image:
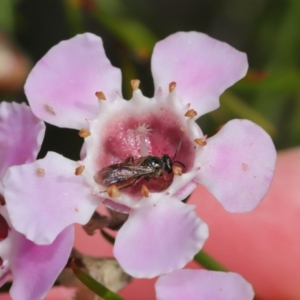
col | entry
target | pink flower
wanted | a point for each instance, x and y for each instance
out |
(33, 268)
(162, 234)
(203, 285)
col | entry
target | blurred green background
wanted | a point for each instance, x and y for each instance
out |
(267, 30)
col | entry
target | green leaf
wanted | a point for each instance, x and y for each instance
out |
(133, 34)
(208, 262)
(242, 110)
(73, 13)
(275, 81)
(7, 22)
(286, 51)
(94, 285)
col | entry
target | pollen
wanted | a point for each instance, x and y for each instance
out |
(172, 86)
(84, 133)
(113, 192)
(79, 170)
(201, 141)
(177, 170)
(145, 191)
(190, 113)
(135, 83)
(100, 96)
(40, 172)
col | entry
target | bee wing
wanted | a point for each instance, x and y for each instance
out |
(120, 173)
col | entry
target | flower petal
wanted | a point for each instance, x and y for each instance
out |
(35, 268)
(203, 285)
(61, 87)
(21, 135)
(201, 66)
(160, 235)
(44, 197)
(238, 165)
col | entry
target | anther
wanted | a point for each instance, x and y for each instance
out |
(40, 172)
(172, 86)
(201, 141)
(84, 133)
(79, 170)
(113, 192)
(100, 96)
(145, 191)
(50, 109)
(191, 113)
(135, 83)
(177, 170)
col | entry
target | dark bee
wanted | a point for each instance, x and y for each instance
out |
(131, 171)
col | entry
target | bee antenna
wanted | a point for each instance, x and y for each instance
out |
(178, 147)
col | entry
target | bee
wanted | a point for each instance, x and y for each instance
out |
(131, 171)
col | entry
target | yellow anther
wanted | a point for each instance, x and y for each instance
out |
(50, 109)
(79, 170)
(135, 83)
(113, 192)
(191, 113)
(200, 141)
(100, 96)
(84, 133)
(40, 172)
(172, 86)
(145, 191)
(177, 170)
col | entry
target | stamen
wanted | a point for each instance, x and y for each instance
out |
(201, 141)
(182, 128)
(79, 170)
(190, 113)
(100, 96)
(84, 133)
(113, 192)
(172, 86)
(177, 170)
(40, 172)
(50, 109)
(145, 191)
(135, 83)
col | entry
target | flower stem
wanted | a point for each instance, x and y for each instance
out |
(97, 287)
(209, 263)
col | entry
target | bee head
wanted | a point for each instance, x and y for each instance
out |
(167, 163)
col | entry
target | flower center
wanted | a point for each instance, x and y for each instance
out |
(136, 155)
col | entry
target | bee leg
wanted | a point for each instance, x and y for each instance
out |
(162, 185)
(147, 178)
(129, 183)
